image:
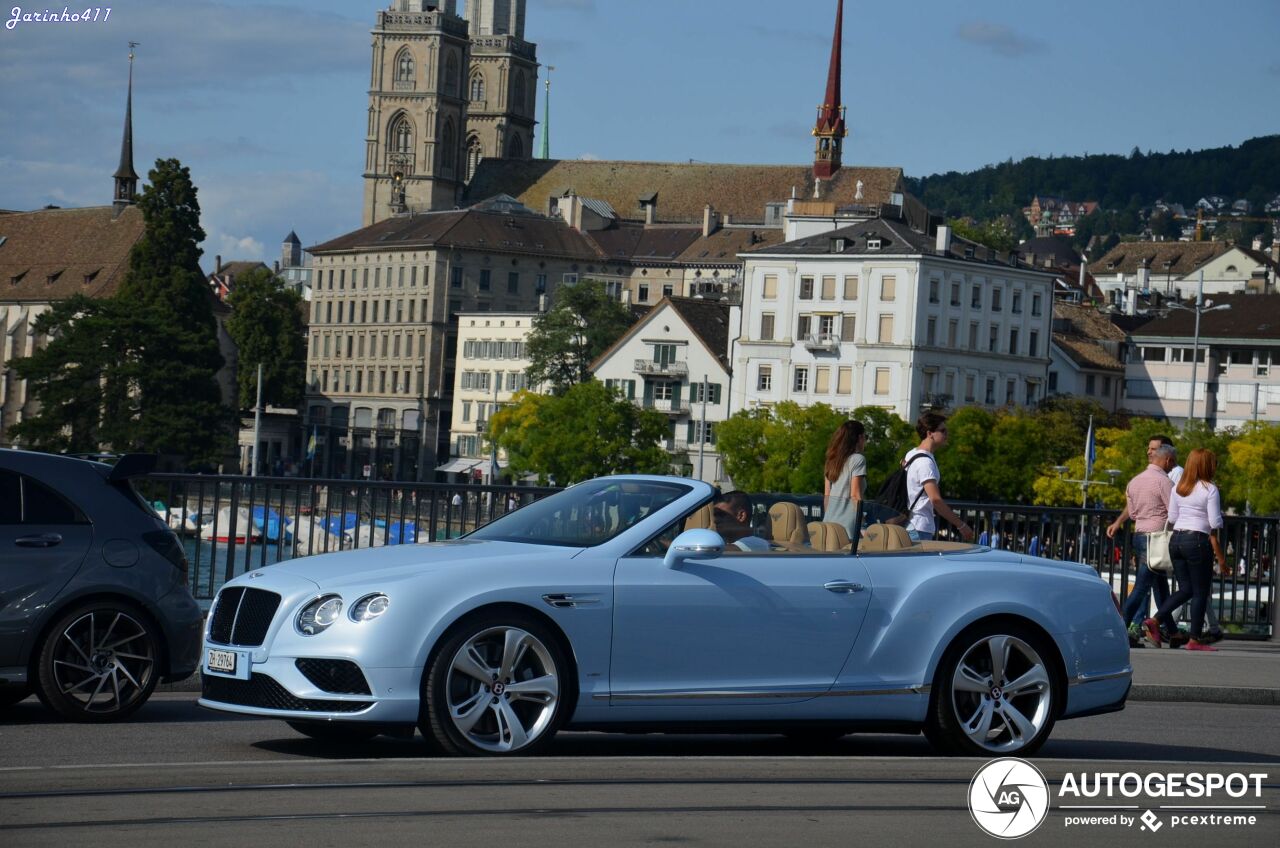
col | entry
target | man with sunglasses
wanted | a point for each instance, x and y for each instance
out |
(923, 494)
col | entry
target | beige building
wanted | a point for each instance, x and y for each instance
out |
(444, 92)
(1086, 356)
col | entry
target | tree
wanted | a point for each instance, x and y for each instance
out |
(963, 461)
(888, 440)
(586, 432)
(566, 339)
(1254, 460)
(778, 449)
(266, 325)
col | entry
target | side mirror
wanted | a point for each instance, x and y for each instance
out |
(694, 545)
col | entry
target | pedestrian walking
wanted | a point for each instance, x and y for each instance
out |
(1147, 503)
(924, 494)
(1195, 513)
(845, 475)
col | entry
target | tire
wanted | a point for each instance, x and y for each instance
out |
(346, 732)
(99, 662)
(977, 712)
(498, 685)
(10, 695)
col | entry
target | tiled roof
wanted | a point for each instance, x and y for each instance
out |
(52, 254)
(1261, 257)
(723, 246)
(237, 268)
(1081, 338)
(1251, 316)
(683, 190)
(642, 245)
(1172, 258)
(1057, 249)
(469, 229)
(709, 320)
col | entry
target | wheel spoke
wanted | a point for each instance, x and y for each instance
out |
(67, 690)
(101, 682)
(466, 714)
(86, 669)
(66, 634)
(1020, 727)
(107, 635)
(539, 689)
(121, 668)
(143, 657)
(470, 663)
(123, 641)
(999, 648)
(978, 727)
(507, 718)
(967, 679)
(513, 648)
(1035, 679)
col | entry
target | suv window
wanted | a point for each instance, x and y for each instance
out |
(26, 501)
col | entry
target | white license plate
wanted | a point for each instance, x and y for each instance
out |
(222, 662)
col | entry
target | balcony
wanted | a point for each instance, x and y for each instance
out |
(936, 400)
(666, 407)
(822, 341)
(649, 368)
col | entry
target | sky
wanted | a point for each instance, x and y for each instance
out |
(265, 102)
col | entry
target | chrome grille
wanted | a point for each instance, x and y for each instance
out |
(242, 616)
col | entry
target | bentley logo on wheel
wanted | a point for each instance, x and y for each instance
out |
(1009, 798)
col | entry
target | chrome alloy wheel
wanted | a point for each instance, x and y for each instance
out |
(502, 689)
(1001, 693)
(103, 662)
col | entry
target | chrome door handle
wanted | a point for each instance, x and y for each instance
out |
(44, 540)
(843, 587)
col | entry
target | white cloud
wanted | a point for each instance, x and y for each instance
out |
(233, 248)
(589, 157)
(999, 39)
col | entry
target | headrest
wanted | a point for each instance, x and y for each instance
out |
(787, 523)
(884, 537)
(702, 519)
(828, 536)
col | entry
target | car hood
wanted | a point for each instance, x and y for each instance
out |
(387, 565)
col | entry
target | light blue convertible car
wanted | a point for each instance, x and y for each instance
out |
(613, 605)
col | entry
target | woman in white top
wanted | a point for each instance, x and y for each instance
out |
(1195, 513)
(845, 474)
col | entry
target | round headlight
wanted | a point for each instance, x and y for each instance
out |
(316, 616)
(370, 607)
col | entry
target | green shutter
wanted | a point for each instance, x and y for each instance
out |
(715, 392)
(648, 393)
(675, 396)
(631, 389)
(689, 439)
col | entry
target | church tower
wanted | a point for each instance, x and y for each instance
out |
(502, 83)
(830, 129)
(126, 179)
(417, 109)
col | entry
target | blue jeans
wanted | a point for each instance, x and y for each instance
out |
(919, 535)
(1136, 605)
(1193, 564)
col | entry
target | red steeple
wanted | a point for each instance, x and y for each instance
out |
(830, 129)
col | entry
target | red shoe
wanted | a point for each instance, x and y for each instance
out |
(1152, 630)
(1197, 645)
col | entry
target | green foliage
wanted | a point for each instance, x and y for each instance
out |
(1253, 469)
(266, 325)
(778, 449)
(566, 339)
(586, 432)
(1000, 234)
(888, 440)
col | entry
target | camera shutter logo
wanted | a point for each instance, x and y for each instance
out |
(1009, 798)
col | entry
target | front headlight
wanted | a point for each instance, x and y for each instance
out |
(370, 607)
(317, 616)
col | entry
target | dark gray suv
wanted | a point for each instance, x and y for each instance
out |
(94, 604)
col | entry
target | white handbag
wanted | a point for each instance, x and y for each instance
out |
(1158, 558)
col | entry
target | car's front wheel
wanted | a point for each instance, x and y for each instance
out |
(346, 732)
(995, 693)
(496, 687)
(99, 662)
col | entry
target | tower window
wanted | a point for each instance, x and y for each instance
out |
(477, 88)
(451, 74)
(404, 66)
(515, 148)
(402, 136)
(474, 154)
(448, 153)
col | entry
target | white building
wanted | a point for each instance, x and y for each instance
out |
(877, 313)
(1173, 268)
(492, 362)
(1086, 356)
(675, 360)
(1238, 370)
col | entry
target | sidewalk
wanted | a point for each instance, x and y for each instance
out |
(1239, 673)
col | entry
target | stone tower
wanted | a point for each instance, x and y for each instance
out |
(443, 94)
(502, 83)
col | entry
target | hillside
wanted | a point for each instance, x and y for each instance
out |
(1250, 170)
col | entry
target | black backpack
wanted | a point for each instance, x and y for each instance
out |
(893, 492)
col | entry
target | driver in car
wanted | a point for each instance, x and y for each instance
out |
(733, 522)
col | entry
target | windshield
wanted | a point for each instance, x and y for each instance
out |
(584, 515)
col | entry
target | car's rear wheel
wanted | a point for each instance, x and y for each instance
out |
(99, 662)
(496, 687)
(335, 731)
(10, 695)
(996, 692)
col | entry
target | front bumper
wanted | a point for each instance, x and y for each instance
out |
(277, 689)
(182, 623)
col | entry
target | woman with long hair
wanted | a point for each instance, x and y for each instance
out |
(845, 474)
(1195, 513)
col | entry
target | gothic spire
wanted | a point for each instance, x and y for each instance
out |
(544, 150)
(830, 129)
(125, 177)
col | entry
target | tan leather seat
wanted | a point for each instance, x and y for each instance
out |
(702, 519)
(828, 536)
(787, 524)
(879, 538)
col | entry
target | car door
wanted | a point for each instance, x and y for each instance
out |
(43, 541)
(744, 628)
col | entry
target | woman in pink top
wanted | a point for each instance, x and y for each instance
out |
(1195, 513)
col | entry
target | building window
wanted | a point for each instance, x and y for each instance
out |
(404, 66)
(806, 288)
(828, 288)
(1106, 386)
(826, 325)
(1016, 305)
(993, 339)
(851, 287)
(882, 381)
(931, 332)
(1090, 384)
(1153, 354)
(770, 287)
(1033, 344)
(663, 390)
(886, 329)
(766, 327)
(973, 335)
(1031, 393)
(485, 276)
(1009, 388)
(844, 381)
(402, 135)
(801, 383)
(889, 288)
(848, 326)
(642, 293)
(953, 333)
(513, 282)
(540, 284)
(1035, 305)
(477, 88)
(1013, 341)
(455, 278)
(664, 354)
(364, 282)
(448, 136)
(822, 380)
(802, 326)
(997, 299)
(764, 379)
(933, 292)
(975, 297)
(955, 294)
(668, 290)
(991, 391)
(968, 388)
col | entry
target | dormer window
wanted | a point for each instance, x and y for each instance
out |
(91, 276)
(1231, 269)
(873, 243)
